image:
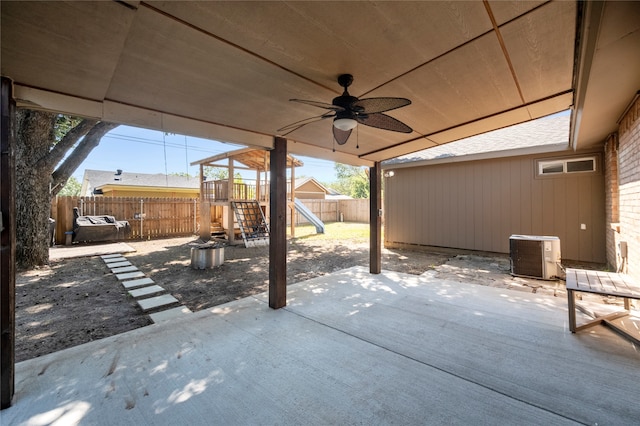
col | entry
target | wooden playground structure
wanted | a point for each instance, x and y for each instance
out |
(237, 209)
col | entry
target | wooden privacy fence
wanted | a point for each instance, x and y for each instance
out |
(351, 210)
(176, 217)
(147, 217)
(354, 210)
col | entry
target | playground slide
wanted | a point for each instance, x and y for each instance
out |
(308, 214)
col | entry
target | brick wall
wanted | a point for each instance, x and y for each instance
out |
(612, 211)
(628, 189)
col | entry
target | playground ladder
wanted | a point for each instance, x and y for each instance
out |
(253, 225)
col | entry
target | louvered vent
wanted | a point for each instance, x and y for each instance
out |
(526, 257)
(533, 256)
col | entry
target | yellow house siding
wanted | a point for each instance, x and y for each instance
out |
(123, 191)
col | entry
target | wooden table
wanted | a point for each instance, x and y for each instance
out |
(605, 283)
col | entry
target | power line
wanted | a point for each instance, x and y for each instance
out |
(308, 161)
(148, 141)
(166, 171)
(155, 142)
(186, 154)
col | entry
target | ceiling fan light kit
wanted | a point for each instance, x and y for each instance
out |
(347, 111)
(345, 124)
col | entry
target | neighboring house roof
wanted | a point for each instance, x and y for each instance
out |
(335, 195)
(545, 134)
(303, 181)
(96, 179)
(330, 193)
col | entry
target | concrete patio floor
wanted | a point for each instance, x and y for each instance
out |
(350, 348)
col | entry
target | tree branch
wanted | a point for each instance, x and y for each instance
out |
(60, 149)
(62, 173)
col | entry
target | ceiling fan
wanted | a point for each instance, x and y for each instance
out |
(347, 111)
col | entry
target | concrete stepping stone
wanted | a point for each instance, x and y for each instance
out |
(119, 264)
(110, 256)
(124, 269)
(169, 314)
(129, 275)
(146, 291)
(114, 260)
(157, 302)
(137, 283)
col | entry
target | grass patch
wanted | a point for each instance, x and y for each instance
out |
(357, 232)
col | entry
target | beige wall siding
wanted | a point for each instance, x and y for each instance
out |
(310, 190)
(477, 205)
(302, 195)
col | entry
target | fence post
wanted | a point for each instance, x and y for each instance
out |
(141, 218)
(195, 222)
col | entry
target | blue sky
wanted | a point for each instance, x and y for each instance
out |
(140, 150)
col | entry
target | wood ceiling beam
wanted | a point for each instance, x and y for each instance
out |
(505, 52)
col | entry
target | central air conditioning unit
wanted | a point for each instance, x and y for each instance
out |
(535, 256)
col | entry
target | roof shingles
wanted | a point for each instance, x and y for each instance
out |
(551, 132)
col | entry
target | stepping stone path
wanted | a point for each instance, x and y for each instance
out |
(123, 269)
(144, 290)
(118, 264)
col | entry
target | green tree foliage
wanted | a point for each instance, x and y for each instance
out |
(63, 125)
(220, 173)
(71, 188)
(352, 181)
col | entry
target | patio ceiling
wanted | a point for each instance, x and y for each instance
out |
(226, 70)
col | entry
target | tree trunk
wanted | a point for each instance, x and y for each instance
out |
(35, 134)
(38, 153)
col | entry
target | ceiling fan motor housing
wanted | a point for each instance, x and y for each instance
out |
(345, 80)
(347, 111)
(345, 102)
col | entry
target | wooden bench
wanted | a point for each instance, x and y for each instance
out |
(605, 283)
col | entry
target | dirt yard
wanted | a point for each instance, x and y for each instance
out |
(78, 300)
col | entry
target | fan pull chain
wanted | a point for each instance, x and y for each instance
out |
(357, 138)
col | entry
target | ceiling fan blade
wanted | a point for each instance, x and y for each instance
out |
(295, 126)
(383, 121)
(319, 104)
(375, 105)
(341, 136)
